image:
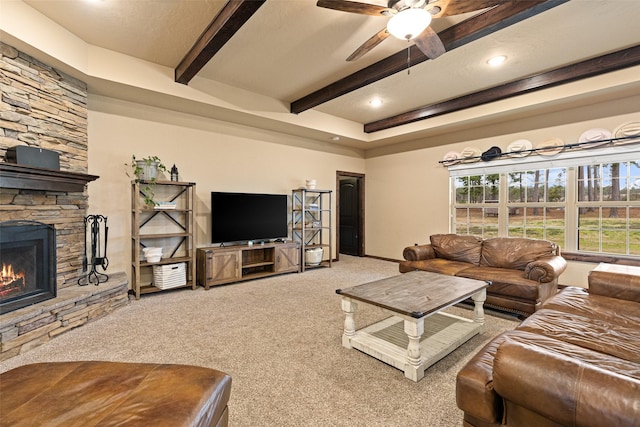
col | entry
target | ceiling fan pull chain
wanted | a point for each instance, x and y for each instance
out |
(408, 60)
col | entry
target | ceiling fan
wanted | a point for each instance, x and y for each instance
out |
(409, 20)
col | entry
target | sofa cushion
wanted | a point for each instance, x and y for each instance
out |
(514, 252)
(578, 300)
(593, 333)
(504, 282)
(615, 284)
(457, 247)
(584, 355)
(435, 265)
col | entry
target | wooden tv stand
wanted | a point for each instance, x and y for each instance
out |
(227, 264)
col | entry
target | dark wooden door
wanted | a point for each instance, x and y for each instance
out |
(350, 216)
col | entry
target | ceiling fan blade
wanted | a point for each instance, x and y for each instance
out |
(442, 8)
(374, 41)
(354, 7)
(430, 44)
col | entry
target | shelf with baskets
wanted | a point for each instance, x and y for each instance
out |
(311, 226)
(169, 226)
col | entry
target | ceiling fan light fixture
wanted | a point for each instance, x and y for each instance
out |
(408, 23)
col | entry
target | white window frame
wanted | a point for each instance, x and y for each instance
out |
(569, 160)
(539, 205)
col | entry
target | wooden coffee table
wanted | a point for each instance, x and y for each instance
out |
(418, 334)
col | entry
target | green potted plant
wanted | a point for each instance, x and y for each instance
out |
(146, 171)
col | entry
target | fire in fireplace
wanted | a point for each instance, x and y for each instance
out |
(12, 282)
(28, 260)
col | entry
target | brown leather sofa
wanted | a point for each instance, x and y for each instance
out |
(95, 393)
(524, 272)
(575, 362)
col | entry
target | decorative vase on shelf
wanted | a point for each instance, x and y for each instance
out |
(146, 168)
(149, 169)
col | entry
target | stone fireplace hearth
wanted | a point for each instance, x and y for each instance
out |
(58, 200)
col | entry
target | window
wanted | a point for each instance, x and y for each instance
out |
(476, 206)
(534, 201)
(587, 201)
(537, 204)
(609, 208)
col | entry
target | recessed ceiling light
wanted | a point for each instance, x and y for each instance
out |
(335, 138)
(375, 102)
(497, 60)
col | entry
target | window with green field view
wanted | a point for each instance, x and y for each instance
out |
(591, 208)
(608, 208)
(537, 204)
(476, 205)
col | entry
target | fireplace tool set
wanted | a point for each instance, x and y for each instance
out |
(96, 225)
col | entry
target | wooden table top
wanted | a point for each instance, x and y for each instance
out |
(417, 293)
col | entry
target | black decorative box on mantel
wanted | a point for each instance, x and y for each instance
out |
(33, 156)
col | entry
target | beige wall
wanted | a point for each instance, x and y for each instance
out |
(216, 156)
(408, 193)
(407, 199)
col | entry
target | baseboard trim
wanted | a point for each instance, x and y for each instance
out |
(382, 258)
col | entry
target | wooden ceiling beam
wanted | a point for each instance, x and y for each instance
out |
(485, 23)
(591, 67)
(233, 15)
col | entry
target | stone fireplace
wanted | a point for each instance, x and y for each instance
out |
(41, 237)
(42, 107)
(28, 261)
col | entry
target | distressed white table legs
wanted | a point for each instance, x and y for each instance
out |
(478, 310)
(349, 307)
(414, 329)
(418, 333)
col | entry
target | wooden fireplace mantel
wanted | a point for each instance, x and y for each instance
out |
(32, 178)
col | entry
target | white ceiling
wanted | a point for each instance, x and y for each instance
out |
(291, 48)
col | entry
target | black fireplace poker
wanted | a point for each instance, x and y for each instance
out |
(97, 248)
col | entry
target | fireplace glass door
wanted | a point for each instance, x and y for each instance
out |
(28, 261)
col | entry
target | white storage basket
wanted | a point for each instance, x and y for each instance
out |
(170, 275)
(314, 256)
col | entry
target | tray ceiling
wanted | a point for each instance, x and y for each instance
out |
(290, 48)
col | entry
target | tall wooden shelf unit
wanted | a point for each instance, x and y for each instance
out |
(311, 224)
(172, 229)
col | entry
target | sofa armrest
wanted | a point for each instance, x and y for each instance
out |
(545, 270)
(418, 252)
(564, 389)
(474, 385)
(615, 285)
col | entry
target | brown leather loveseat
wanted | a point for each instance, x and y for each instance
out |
(524, 272)
(575, 362)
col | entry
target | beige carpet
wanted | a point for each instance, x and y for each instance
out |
(279, 339)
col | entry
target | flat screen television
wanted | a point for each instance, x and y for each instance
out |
(238, 217)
